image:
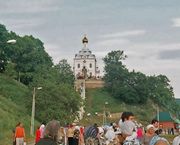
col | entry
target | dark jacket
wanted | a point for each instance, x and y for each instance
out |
(46, 141)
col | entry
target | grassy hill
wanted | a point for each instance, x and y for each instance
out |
(95, 102)
(13, 96)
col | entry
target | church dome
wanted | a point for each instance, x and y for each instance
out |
(85, 51)
(85, 40)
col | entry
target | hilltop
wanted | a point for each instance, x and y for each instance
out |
(95, 105)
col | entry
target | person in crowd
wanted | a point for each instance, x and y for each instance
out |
(70, 134)
(81, 136)
(150, 133)
(38, 134)
(76, 135)
(176, 140)
(110, 135)
(13, 137)
(42, 128)
(51, 134)
(62, 135)
(157, 140)
(20, 134)
(128, 127)
(155, 123)
(140, 133)
(91, 135)
(65, 134)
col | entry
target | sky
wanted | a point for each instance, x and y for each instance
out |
(148, 31)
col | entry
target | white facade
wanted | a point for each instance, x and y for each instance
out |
(85, 62)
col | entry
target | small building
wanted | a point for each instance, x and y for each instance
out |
(85, 64)
(166, 122)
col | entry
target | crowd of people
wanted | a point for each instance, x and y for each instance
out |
(126, 132)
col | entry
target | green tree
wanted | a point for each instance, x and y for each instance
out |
(65, 72)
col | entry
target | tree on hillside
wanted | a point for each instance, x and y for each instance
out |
(54, 101)
(115, 71)
(161, 91)
(135, 87)
(28, 62)
(4, 35)
(65, 72)
(122, 84)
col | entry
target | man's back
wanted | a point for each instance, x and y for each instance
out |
(91, 131)
(46, 141)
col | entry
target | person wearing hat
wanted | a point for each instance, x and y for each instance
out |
(150, 133)
(157, 140)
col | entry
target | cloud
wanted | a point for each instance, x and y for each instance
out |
(124, 34)
(112, 43)
(176, 22)
(23, 23)
(32, 6)
(170, 54)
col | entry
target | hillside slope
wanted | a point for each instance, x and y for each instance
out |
(13, 96)
(95, 102)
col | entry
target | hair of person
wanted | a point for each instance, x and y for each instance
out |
(18, 124)
(52, 130)
(95, 125)
(43, 123)
(154, 121)
(126, 115)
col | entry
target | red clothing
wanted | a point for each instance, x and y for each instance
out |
(19, 133)
(139, 133)
(38, 134)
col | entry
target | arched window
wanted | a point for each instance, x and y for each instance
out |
(78, 65)
(90, 65)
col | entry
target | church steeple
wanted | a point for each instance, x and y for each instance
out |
(85, 41)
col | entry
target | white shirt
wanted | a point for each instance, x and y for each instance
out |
(176, 140)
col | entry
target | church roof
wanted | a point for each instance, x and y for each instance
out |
(85, 51)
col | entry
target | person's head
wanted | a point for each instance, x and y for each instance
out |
(156, 140)
(155, 122)
(44, 123)
(52, 130)
(150, 129)
(161, 142)
(127, 116)
(95, 125)
(38, 127)
(21, 125)
(18, 124)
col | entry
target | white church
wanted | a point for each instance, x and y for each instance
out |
(85, 64)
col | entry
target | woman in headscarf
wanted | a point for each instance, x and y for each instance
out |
(156, 140)
(150, 133)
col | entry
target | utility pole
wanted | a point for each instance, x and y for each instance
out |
(33, 110)
(33, 113)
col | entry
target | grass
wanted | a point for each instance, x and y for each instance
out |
(13, 96)
(14, 90)
(95, 102)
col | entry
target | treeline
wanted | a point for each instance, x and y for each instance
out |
(135, 87)
(27, 62)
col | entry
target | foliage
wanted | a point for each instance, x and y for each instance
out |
(29, 63)
(127, 86)
(136, 87)
(65, 72)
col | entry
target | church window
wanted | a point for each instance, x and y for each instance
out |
(78, 65)
(90, 65)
